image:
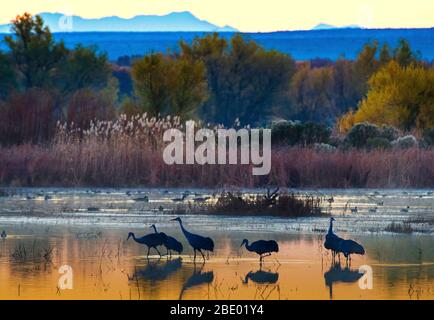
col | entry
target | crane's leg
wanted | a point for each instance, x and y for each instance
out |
(203, 256)
(194, 259)
(158, 251)
(147, 255)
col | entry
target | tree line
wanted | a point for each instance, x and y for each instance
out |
(210, 79)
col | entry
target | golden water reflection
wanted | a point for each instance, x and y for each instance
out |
(109, 267)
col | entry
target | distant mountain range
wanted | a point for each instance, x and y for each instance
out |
(325, 26)
(175, 21)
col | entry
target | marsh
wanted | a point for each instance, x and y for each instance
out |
(49, 228)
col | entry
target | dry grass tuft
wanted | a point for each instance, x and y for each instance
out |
(270, 204)
(404, 227)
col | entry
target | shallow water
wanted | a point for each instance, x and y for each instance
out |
(107, 266)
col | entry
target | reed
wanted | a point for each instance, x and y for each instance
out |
(128, 152)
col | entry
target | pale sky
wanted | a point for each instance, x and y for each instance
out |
(247, 15)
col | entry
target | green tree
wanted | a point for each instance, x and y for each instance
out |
(188, 86)
(385, 55)
(365, 66)
(7, 76)
(245, 81)
(166, 84)
(84, 68)
(151, 76)
(34, 51)
(345, 93)
(403, 53)
(312, 94)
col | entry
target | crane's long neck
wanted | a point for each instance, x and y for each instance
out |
(134, 237)
(184, 231)
(247, 245)
(155, 229)
(331, 227)
(182, 227)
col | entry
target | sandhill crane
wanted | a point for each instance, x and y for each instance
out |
(349, 247)
(142, 199)
(170, 243)
(263, 248)
(4, 235)
(339, 245)
(152, 240)
(407, 209)
(354, 210)
(373, 210)
(332, 241)
(198, 242)
(201, 199)
(180, 199)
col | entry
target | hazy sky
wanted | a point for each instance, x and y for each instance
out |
(247, 15)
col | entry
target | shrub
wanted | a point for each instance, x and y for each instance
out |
(324, 147)
(378, 143)
(428, 136)
(394, 227)
(297, 133)
(389, 132)
(361, 133)
(405, 142)
(28, 117)
(271, 204)
(86, 105)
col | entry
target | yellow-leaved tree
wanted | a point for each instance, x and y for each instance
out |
(402, 96)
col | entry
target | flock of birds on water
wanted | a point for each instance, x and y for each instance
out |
(263, 248)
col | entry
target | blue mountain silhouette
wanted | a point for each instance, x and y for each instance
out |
(175, 21)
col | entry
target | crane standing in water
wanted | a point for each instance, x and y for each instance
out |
(170, 243)
(152, 240)
(198, 242)
(262, 247)
(349, 247)
(339, 245)
(332, 241)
